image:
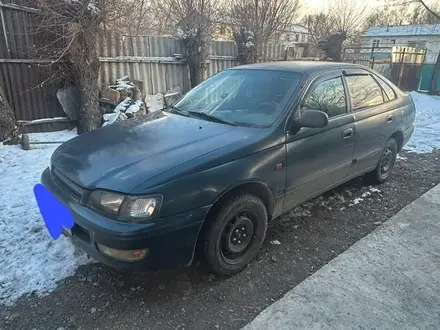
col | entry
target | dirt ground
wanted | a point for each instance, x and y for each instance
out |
(297, 245)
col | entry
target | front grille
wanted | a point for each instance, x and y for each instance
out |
(70, 188)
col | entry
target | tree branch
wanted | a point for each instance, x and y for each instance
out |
(429, 9)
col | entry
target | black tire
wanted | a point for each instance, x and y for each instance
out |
(235, 234)
(386, 164)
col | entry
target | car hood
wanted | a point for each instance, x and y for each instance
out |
(123, 155)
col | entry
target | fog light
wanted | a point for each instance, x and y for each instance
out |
(124, 255)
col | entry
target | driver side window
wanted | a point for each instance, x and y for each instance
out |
(328, 96)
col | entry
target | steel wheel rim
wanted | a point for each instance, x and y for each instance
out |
(237, 237)
(386, 162)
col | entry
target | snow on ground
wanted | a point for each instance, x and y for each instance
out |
(30, 260)
(426, 136)
(366, 194)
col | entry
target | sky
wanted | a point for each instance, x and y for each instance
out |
(318, 5)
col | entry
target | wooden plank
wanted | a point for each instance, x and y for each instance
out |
(2, 17)
(25, 60)
(44, 121)
(19, 7)
(141, 59)
(221, 57)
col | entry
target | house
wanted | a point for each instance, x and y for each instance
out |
(295, 39)
(222, 30)
(295, 34)
(415, 36)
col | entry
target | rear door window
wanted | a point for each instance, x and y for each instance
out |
(389, 92)
(364, 91)
(328, 96)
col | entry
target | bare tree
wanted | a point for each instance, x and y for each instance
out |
(349, 16)
(389, 15)
(67, 32)
(343, 22)
(433, 12)
(132, 17)
(192, 21)
(70, 29)
(262, 18)
(320, 26)
(408, 12)
(8, 128)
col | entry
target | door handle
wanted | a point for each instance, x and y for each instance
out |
(347, 133)
(389, 119)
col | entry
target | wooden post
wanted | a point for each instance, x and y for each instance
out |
(25, 142)
(2, 17)
(435, 75)
(399, 71)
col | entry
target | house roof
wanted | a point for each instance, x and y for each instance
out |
(296, 28)
(403, 30)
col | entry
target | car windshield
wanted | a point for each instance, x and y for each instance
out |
(241, 97)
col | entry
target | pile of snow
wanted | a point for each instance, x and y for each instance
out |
(370, 191)
(30, 259)
(426, 136)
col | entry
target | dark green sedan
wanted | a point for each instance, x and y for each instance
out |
(207, 174)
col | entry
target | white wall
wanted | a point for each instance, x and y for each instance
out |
(289, 38)
(432, 43)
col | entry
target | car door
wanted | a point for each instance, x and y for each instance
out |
(374, 118)
(319, 158)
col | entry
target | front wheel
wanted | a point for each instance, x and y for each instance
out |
(235, 234)
(386, 164)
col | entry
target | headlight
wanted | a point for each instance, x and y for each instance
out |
(138, 208)
(105, 201)
(125, 208)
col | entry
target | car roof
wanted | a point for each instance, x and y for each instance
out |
(308, 67)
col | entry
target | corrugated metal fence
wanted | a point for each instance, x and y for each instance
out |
(151, 60)
(159, 61)
(31, 83)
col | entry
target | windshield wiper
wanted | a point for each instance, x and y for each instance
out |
(178, 111)
(204, 115)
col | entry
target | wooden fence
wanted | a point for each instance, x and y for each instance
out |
(404, 66)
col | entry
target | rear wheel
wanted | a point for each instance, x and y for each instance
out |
(386, 164)
(235, 234)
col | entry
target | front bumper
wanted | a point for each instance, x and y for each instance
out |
(170, 241)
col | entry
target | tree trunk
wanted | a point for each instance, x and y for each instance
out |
(196, 63)
(85, 67)
(8, 128)
(90, 115)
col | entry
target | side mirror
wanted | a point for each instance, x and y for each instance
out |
(312, 119)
